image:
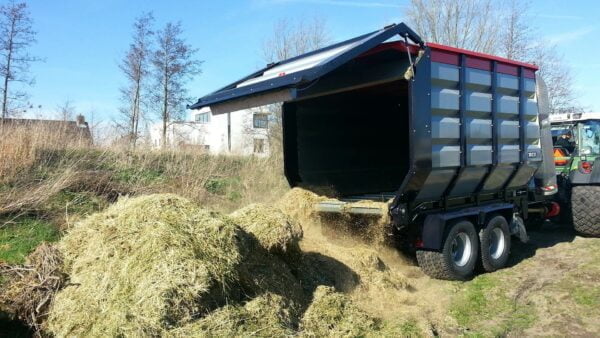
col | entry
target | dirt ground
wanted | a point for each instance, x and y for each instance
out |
(551, 287)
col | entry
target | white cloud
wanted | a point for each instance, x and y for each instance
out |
(571, 35)
(559, 17)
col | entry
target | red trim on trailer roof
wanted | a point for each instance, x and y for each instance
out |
(507, 69)
(479, 63)
(528, 73)
(439, 47)
(451, 55)
(442, 56)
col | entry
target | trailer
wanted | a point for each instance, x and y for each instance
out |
(455, 139)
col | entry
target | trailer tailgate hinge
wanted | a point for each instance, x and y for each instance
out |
(410, 72)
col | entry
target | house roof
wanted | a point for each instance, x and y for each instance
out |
(77, 129)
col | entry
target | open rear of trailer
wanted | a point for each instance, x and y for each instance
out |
(456, 140)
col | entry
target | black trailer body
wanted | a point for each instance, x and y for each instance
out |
(454, 136)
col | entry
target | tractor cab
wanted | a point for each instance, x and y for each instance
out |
(576, 138)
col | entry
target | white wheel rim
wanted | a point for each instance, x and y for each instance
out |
(461, 249)
(497, 244)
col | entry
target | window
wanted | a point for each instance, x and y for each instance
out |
(203, 117)
(259, 146)
(261, 121)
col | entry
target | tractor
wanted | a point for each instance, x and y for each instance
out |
(576, 138)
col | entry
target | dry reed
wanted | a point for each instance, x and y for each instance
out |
(30, 288)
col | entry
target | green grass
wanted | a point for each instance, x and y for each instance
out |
(484, 308)
(225, 186)
(139, 176)
(75, 203)
(18, 239)
(473, 303)
(406, 328)
(587, 296)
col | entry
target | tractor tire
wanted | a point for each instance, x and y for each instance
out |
(585, 203)
(494, 241)
(458, 256)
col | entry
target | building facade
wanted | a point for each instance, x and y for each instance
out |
(243, 132)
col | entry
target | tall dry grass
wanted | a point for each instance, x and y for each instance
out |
(38, 164)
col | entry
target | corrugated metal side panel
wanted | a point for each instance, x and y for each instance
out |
(474, 144)
(484, 128)
(477, 109)
(445, 130)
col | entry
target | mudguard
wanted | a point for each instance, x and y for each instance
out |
(434, 226)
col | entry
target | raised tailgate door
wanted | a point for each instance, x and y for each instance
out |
(280, 81)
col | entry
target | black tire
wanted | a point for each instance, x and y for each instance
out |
(451, 263)
(494, 242)
(585, 204)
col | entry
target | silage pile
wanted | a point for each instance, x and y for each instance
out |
(159, 265)
(146, 265)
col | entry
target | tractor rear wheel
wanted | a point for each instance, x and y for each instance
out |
(585, 204)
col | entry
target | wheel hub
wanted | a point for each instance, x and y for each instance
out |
(497, 244)
(461, 249)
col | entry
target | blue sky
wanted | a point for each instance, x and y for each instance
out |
(82, 41)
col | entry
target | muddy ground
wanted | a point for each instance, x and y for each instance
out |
(551, 287)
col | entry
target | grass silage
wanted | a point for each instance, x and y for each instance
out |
(161, 265)
(143, 266)
(275, 230)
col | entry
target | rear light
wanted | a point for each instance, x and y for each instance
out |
(551, 187)
(419, 243)
(554, 210)
(560, 157)
(585, 167)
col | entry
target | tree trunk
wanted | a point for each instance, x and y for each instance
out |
(134, 116)
(7, 75)
(136, 105)
(165, 106)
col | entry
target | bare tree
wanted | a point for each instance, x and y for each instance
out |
(519, 43)
(292, 38)
(173, 66)
(469, 24)
(288, 39)
(66, 111)
(16, 36)
(135, 67)
(496, 28)
(558, 78)
(517, 35)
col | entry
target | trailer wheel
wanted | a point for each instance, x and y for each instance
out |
(458, 256)
(585, 203)
(494, 241)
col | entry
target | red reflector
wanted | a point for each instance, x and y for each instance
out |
(554, 210)
(419, 243)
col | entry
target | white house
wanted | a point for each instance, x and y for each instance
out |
(243, 132)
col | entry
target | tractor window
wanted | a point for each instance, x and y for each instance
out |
(559, 130)
(589, 138)
(564, 137)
